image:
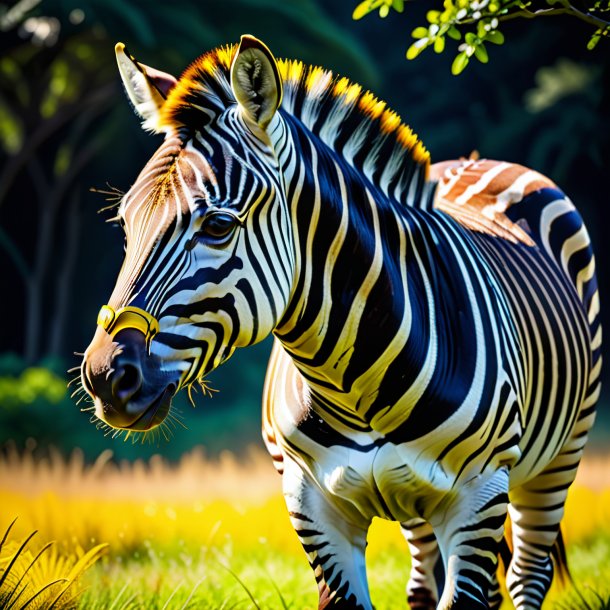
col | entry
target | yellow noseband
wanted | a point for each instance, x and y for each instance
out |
(128, 317)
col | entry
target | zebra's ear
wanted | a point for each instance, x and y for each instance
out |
(146, 87)
(256, 81)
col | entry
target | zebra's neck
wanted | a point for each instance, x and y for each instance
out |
(350, 286)
(355, 176)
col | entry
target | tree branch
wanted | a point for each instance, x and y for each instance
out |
(98, 99)
(586, 17)
(567, 9)
(8, 245)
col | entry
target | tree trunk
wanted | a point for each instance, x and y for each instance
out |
(64, 279)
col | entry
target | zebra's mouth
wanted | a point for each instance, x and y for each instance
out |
(155, 413)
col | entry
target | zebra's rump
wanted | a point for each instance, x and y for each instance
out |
(480, 193)
(520, 205)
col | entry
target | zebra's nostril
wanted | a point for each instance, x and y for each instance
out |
(126, 382)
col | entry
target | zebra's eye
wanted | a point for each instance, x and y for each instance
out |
(216, 229)
(219, 225)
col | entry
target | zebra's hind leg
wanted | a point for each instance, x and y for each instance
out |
(427, 573)
(535, 512)
(536, 509)
(469, 527)
(334, 546)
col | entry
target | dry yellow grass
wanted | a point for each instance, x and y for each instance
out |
(201, 504)
(201, 500)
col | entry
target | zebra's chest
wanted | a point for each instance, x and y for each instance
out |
(389, 481)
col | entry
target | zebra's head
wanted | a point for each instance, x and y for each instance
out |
(208, 255)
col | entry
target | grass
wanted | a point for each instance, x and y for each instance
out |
(214, 534)
(46, 579)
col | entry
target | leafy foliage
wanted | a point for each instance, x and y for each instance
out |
(22, 385)
(474, 23)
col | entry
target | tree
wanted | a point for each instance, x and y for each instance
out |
(477, 22)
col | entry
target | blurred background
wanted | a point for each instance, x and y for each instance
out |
(66, 128)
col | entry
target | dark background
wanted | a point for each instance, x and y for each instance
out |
(65, 126)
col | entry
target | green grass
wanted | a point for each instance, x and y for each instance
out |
(169, 544)
(181, 578)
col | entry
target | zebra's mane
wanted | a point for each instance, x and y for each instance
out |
(355, 124)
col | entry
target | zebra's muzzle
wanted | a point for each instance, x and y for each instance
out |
(155, 413)
(129, 387)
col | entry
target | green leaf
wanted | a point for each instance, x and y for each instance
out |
(439, 44)
(454, 33)
(471, 39)
(398, 5)
(480, 52)
(593, 42)
(433, 16)
(416, 48)
(384, 10)
(419, 32)
(11, 130)
(364, 8)
(459, 63)
(495, 37)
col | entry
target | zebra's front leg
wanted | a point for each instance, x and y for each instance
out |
(335, 547)
(427, 574)
(469, 526)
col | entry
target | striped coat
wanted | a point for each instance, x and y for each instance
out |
(437, 350)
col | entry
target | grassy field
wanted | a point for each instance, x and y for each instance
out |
(213, 534)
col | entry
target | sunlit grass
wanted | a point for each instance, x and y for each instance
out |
(215, 534)
(47, 578)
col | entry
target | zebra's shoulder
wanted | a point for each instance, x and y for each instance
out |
(478, 193)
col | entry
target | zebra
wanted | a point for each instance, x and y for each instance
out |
(437, 339)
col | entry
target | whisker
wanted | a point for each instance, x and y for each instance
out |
(177, 421)
(112, 194)
(189, 391)
(207, 389)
